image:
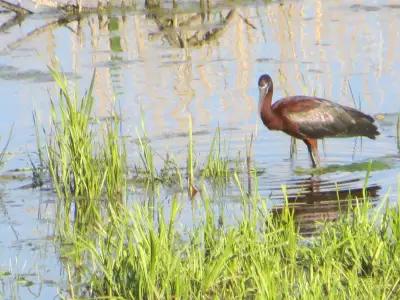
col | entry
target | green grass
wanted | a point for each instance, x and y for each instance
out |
(84, 168)
(217, 165)
(38, 169)
(133, 257)
(190, 163)
(112, 249)
(146, 171)
(4, 149)
(170, 172)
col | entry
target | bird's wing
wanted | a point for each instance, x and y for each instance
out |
(318, 118)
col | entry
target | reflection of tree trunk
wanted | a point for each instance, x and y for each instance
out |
(60, 22)
(205, 8)
(213, 34)
(102, 35)
(15, 8)
(152, 3)
(177, 36)
(16, 20)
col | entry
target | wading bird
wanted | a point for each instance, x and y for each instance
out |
(311, 118)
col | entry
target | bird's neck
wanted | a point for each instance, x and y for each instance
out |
(264, 106)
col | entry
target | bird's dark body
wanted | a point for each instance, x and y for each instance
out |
(312, 118)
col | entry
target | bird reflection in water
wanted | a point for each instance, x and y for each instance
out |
(316, 203)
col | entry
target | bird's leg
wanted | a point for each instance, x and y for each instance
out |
(312, 146)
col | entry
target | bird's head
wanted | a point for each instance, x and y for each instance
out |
(264, 85)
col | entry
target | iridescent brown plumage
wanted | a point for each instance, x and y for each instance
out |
(311, 118)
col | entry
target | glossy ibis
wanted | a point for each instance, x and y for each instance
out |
(311, 118)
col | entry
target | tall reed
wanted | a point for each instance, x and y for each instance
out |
(83, 167)
(190, 162)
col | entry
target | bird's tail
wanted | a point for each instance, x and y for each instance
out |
(364, 124)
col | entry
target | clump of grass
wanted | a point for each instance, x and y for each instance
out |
(217, 165)
(168, 174)
(83, 168)
(73, 164)
(262, 256)
(115, 161)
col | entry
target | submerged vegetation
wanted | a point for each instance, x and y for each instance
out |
(3, 151)
(146, 171)
(116, 247)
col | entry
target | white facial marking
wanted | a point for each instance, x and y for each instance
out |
(263, 90)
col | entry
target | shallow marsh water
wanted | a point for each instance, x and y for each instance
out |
(169, 64)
